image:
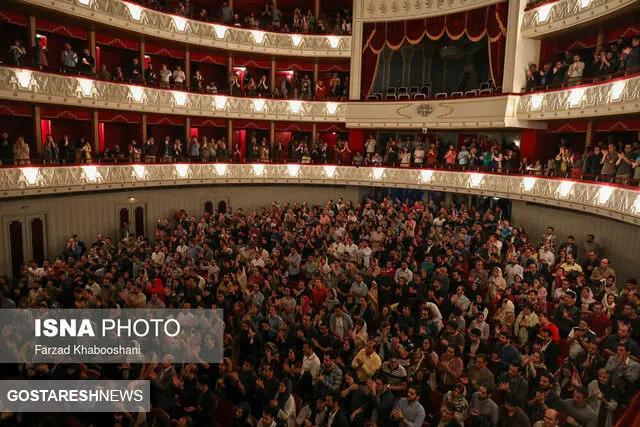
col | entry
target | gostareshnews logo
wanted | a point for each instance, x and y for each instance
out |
(111, 335)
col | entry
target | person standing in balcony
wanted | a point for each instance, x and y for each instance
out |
(320, 90)
(17, 52)
(631, 56)
(87, 63)
(149, 150)
(558, 74)
(51, 152)
(39, 54)
(575, 71)
(104, 73)
(150, 75)
(21, 152)
(625, 165)
(165, 77)
(178, 78)
(198, 82)
(533, 77)
(609, 159)
(226, 13)
(68, 59)
(234, 85)
(6, 149)
(263, 87)
(85, 151)
(135, 72)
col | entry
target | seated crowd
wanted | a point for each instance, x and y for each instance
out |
(298, 85)
(608, 61)
(269, 18)
(377, 313)
(603, 161)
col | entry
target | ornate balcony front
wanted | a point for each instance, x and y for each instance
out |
(133, 17)
(618, 96)
(33, 86)
(398, 10)
(601, 199)
(557, 15)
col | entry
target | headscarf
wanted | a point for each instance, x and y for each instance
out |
(586, 302)
(610, 308)
(282, 398)
(246, 410)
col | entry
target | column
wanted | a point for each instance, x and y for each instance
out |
(520, 53)
(591, 133)
(355, 72)
(316, 74)
(229, 65)
(187, 130)
(32, 29)
(316, 8)
(142, 53)
(230, 137)
(272, 134)
(37, 129)
(92, 43)
(143, 128)
(95, 133)
(187, 67)
(314, 133)
(272, 76)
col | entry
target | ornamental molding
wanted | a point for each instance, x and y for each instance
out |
(400, 10)
(619, 96)
(555, 16)
(37, 87)
(135, 18)
(609, 201)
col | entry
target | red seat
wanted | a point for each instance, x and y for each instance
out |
(225, 413)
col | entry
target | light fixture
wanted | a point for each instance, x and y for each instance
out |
(182, 170)
(180, 22)
(475, 179)
(565, 188)
(332, 107)
(516, 142)
(84, 2)
(296, 39)
(528, 182)
(24, 78)
(136, 93)
(333, 41)
(330, 170)
(426, 176)
(221, 31)
(243, 69)
(536, 101)
(180, 98)
(293, 170)
(604, 194)
(31, 174)
(258, 169)
(221, 102)
(134, 10)
(617, 88)
(132, 199)
(585, 3)
(258, 105)
(377, 173)
(140, 171)
(575, 96)
(91, 173)
(295, 106)
(544, 11)
(221, 169)
(258, 36)
(85, 87)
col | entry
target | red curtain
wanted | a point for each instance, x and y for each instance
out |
(475, 24)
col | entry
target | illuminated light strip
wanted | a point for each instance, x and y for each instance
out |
(293, 170)
(330, 171)
(24, 78)
(475, 179)
(377, 173)
(296, 39)
(332, 107)
(221, 31)
(575, 96)
(31, 174)
(182, 170)
(221, 169)
(180, 22)
(140, 171)
(295, 106)
(258, 169)
(221, 102)
(617, 89)
(86, 87)
(180, 98)
(91, 173)
(258, 36)
(334, 41)
(426, 175)
(604, 194)
(564, 188)
(258, 104)
(528, 183)
(136, 93)
(536, 101)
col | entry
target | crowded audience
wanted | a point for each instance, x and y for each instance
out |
(267, 18)
(605, 160)
(607, 61)
(379, 313)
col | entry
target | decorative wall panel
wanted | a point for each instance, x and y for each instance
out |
(398, 10)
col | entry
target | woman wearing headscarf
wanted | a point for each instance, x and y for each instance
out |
(603, 398)
(609, 304)
(285, 405)
(243, 416)
(496, 283)
(586, 298)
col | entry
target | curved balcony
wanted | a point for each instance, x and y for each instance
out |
(617, 96)
(557, 15)
(393, 10)
(34, 86)
(132, 17)
(621, 203)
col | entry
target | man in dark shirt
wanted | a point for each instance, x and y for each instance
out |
(135, 72)
(87, 63)
(567, 314)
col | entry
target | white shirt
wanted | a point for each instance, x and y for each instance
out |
(157, 258)
(311, 364)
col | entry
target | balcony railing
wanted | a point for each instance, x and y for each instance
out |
(35, 86)
(132, 17)
(617, 96)
(621, 203)
(552, 16)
